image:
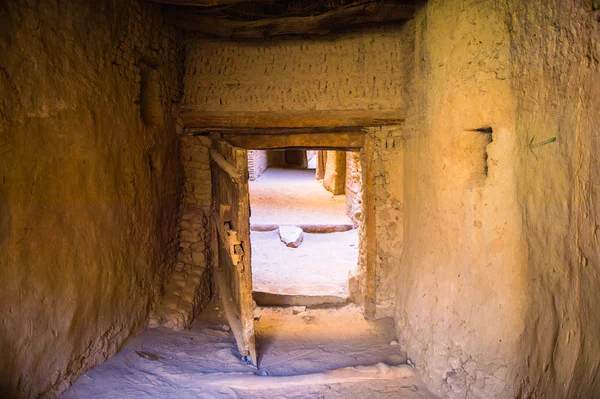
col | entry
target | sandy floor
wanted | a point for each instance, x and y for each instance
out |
(161, 363)
(319, 267)
(294, 196)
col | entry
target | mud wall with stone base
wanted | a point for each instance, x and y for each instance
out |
(89, 187)
(189, 288)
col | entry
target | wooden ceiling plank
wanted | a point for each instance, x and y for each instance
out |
(331, 21)
(198, 3)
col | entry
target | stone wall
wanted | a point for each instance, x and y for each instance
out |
(257, 163)
(189, 288)
(91, 179)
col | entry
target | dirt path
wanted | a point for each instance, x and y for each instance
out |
(167, 364)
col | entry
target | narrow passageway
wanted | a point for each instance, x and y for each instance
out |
(294, 196)
(203, 362)
(321, 265)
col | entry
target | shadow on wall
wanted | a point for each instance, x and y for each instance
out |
(287, 158)
(4, 221)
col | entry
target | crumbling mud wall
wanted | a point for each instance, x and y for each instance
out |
(354, 187)
(555, 58)
(189, 288)
(386, 167)
(90, 180)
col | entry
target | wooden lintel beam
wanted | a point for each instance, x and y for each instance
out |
(291, 119)
(277, 130)
(325, 141)
(331, 21)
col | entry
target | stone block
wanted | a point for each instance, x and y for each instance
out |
(199, 258)
(291, 236)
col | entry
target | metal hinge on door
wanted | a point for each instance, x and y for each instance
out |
(236, 251)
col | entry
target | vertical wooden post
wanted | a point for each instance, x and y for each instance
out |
(370, 226)
(320, 173)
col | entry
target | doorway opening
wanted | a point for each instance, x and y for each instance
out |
(305, 221)
(244, 303)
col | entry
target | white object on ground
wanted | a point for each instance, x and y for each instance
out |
(291, 236)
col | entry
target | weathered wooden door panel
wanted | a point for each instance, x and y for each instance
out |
(231, 218)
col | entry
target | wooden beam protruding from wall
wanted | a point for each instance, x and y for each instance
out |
(226, 167)
(311, 119)
(323, 24)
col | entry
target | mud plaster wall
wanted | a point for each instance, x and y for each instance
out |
(387, 164)
(355, 209)
(461, 287)
(189, 288)
(88, 189)
(555, 56)
(499, 274)
(257, 163)
(353, 187)
(363, 69)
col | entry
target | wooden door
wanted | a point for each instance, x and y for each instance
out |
(231, 220)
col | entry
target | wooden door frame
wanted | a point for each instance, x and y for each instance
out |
(343, 130)
(330, 142)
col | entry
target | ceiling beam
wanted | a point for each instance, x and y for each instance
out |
(331, 120)
(331, 21)
(198, 131)
(201, 3)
